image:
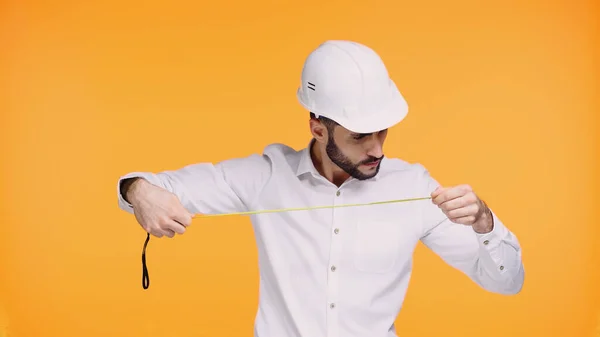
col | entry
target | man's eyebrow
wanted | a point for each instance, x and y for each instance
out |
(360, 135)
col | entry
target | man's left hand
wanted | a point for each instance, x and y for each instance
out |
(462, 206)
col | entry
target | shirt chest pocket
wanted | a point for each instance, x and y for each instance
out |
(379, 245)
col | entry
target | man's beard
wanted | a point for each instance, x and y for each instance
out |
(343, 162)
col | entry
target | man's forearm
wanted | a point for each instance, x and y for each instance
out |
(486, 222)
(126, 187)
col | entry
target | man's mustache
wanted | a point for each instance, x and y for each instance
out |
(371, 160)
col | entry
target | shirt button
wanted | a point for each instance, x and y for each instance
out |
(337, 230)
(501, 267)
(486, 242)
(338, 193)
(333, 268)
(332, 305)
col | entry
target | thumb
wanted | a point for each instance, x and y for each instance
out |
(437, 191)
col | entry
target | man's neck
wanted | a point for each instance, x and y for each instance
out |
(325, 166)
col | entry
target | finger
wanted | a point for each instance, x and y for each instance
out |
(448, 194)
(464, 220)
(169, 233)
(183, 217)
(452, 204)
(453, 193)
(437, 191)
(156, 232)
(469, 210)
(459, 202)
(174, 227)
(159, 232)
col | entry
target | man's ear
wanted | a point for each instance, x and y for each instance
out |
(318, 130)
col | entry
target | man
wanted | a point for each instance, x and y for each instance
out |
(335, 272)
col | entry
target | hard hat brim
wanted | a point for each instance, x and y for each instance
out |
(381, 118)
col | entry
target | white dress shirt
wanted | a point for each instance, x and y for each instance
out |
(339, 272)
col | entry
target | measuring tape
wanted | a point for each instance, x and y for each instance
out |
(146, 277)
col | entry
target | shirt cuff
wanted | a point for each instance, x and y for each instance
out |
(491, 242)
(123, 204)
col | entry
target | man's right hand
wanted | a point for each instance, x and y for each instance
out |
(157, 210)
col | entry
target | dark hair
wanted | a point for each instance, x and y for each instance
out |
(330, 124)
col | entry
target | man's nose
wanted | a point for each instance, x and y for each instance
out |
(375, 149)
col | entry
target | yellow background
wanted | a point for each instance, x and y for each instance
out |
(502, 96)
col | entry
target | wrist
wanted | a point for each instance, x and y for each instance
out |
(485, 224)
(129, 188)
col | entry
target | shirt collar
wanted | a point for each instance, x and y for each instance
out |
(306, 164)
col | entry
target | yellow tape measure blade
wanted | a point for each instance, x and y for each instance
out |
(308, 208)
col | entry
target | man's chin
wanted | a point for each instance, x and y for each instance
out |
(368, 173)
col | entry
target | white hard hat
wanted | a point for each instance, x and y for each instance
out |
(348, 82)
